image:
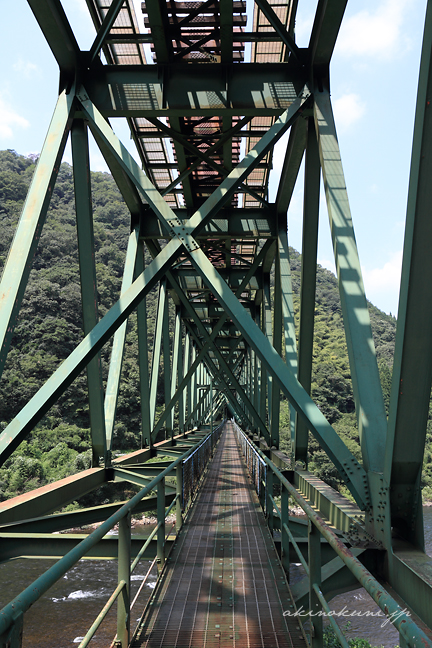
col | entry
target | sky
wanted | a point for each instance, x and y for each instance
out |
(374, 76)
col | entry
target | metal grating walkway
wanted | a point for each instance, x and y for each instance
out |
(223, 584)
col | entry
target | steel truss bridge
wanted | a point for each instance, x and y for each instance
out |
(205, 119)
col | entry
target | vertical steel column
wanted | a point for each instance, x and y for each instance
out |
(85, 235)
(179, 493)
(412, 369)
(157, 343)
(308, 280)
(288, 312)
(257, 377)
(285, 541)
(123, 601)
(117, 351)
(175, 362)
(315, 607)
(194, 388)
(269, 503)
(188, 393)
(160, 536)
(277, 343)
(371, 416)
(263, 373)
(269, 334)
(180, 370)
(143, 356)
(167, 366)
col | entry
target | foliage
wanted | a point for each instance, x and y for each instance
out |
(50, 326)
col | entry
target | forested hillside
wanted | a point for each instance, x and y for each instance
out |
(50, 326)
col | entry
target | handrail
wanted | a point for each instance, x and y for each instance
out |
(412, 634)
(101, 616)
(21, 603)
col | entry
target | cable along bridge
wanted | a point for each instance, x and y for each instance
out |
(206, 100)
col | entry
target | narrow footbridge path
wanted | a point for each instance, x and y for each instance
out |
(223, 584)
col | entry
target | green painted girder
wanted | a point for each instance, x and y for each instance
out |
(157, 347)
(336, 578)
(89, 293)
(59, 36)
(143, 360)
(238, 223)
(412, 368)
(291, 166)
(77, 519)
(46, 545)
(224, 372)
(20, 257)
(119, 341)
(105, 28)
(327, 22)
(349, 468)
(32, 413)
(53, 496)
(371, 416)
(220, 196)
(308, 279)
(251, 89)
(288, 313)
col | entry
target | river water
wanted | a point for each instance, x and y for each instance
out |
(64, 614)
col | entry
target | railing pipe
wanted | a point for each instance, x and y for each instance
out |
(101, 616)
(33, 592)
(412, 634)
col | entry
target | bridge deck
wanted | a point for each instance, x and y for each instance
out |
(223, 584)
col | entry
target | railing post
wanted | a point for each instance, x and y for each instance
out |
(179, 493)
(285, 542)
(269, 503)
(315, 607)
(161, 522)
(123, 603)
(12, 638)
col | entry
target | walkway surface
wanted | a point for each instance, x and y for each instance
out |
(223, 584)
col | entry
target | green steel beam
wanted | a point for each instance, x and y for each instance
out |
(51, 497)
(76, 519)
(176, 359)
(23, 248)
(166, 346)
(117, 350)
(89, 294)
(287, 310)
(308, 280)
(291, 165)
(125, 185)
(108, 22)
(157, 347)
(59, 36)
(143, 360)
(412, 369)
(371, 416)
(328, 19)
(349, 468)
(32, 413)
(219, 197)
(46, 545)
(251, 89)
(158, 18)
